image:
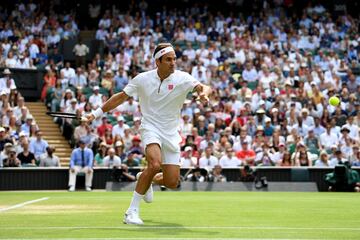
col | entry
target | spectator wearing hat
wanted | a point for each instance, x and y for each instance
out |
(11, 160)
(135, 129)
(269, 128)
(187, 160)
(345, 136)
(306, 118)
(26, 157)
(136, 147)
(101, 153)
(68, 128)
(260, 117)
(5, 152)
(18, 144)
(25, 127)
(66, 100)
(6, 82)
(119, 128)
(185, 125)
(96, 98)
(38, 145)
(120, 150)
(49, 159)
(323, 160)
(81, 161)
(81, 130)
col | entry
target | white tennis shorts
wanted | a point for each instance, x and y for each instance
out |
(170, 145)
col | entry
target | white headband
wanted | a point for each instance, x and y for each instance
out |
(163, 51)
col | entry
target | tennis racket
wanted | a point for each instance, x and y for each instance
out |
(63, 115)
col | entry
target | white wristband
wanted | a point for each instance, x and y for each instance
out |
(98, 113)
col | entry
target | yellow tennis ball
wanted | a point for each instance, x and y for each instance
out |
(334, 101)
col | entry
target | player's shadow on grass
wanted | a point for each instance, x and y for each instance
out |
(171, 229)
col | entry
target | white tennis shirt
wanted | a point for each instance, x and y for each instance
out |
(161, 101)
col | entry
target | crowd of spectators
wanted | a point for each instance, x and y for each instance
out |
(272, 74)
(21, 141)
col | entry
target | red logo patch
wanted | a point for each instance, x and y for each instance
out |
(170, 86)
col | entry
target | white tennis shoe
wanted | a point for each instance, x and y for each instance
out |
(132, 217)
(149, 195)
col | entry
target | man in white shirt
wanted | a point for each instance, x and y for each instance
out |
(22, 62)
(328, 139)
(4, 82)
(79, 80)
(354, 129)
(96, 98)
(161, 93)
(249, 74)
(68, 72)
(111, 160)
(209, 160)
(120, 127)
(229, 160)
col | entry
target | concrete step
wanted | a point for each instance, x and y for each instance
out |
(60, 154)
(42, 117)
(53, 137)
(58, 141)
(62, 148)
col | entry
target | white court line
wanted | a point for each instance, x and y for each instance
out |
(23, 204)
(185, 227)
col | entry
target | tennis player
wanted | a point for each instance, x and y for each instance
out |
(161, 94)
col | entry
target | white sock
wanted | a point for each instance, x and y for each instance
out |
(135, 201)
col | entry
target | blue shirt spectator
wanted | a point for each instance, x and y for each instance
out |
(38, 146)
(82, 156)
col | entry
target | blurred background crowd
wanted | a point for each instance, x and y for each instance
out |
(272, 65)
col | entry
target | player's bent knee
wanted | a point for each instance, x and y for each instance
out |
(173, 183)
(154, 166)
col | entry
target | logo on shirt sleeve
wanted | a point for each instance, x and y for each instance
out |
(170, 86)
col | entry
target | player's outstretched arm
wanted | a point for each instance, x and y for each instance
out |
(110, 104)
